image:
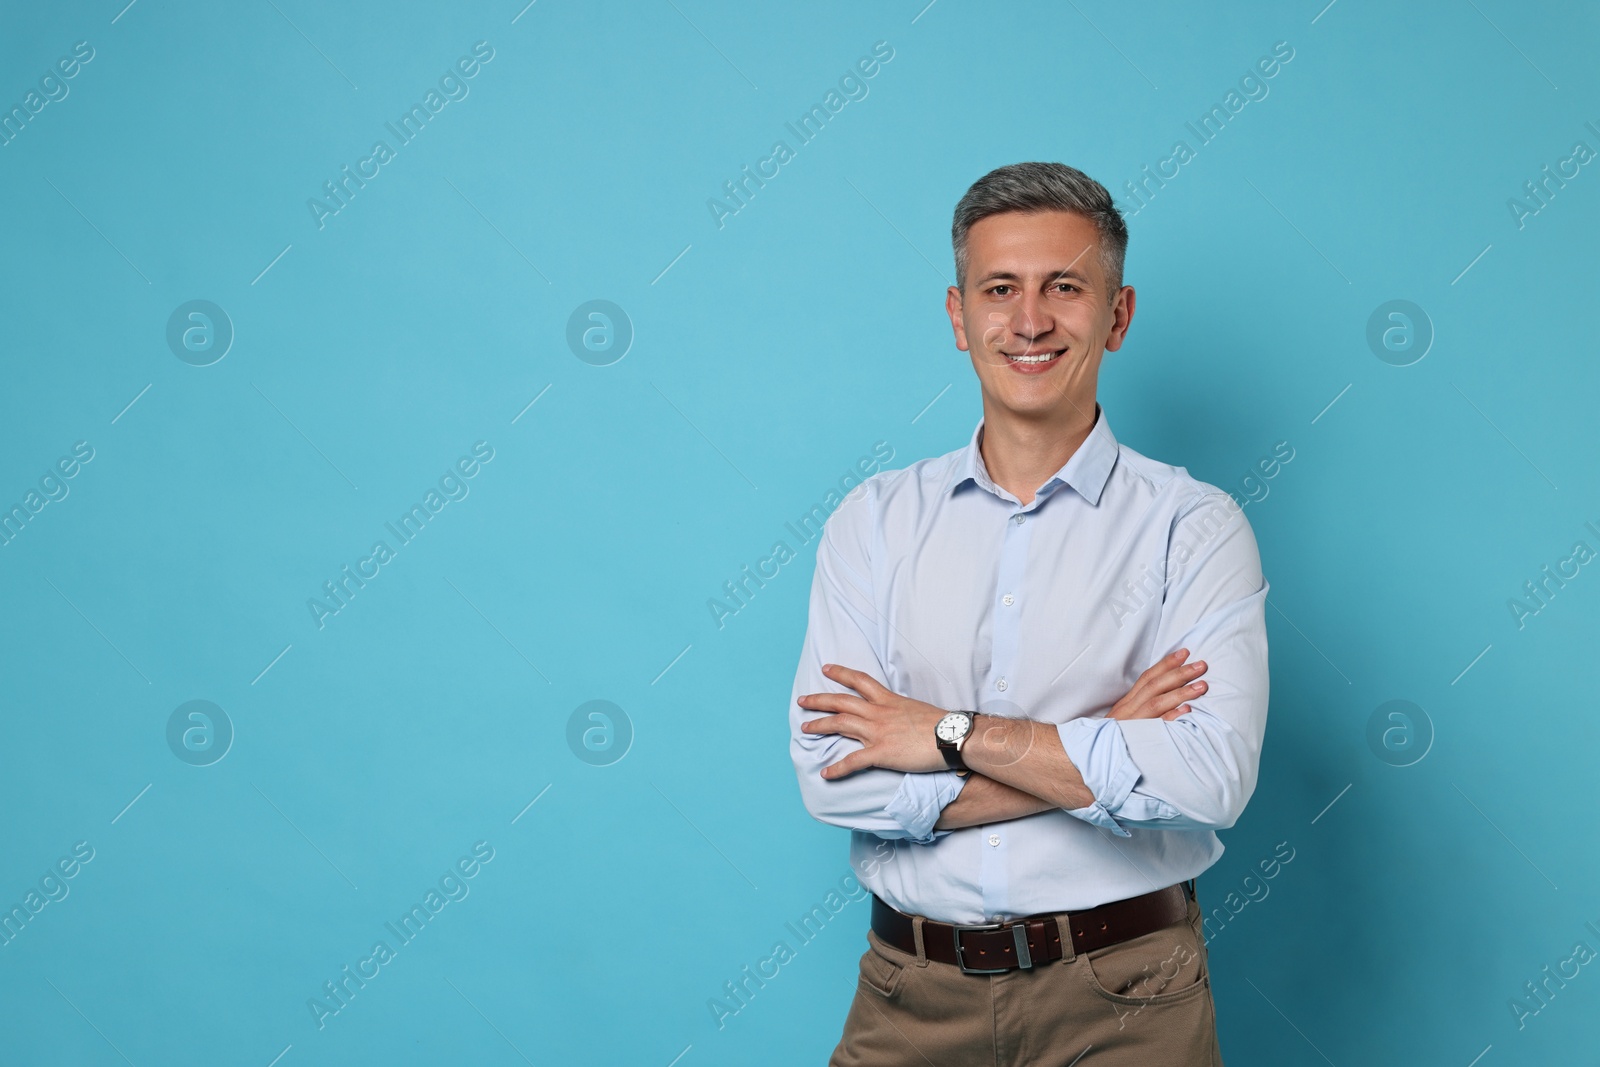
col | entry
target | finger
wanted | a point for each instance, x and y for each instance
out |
(848, 725)
(1158, 704)
(1175, 678)
(1162, 703)
(1150, 681)
(858, 760)
(1175, 712)
(1164, 677)
(832, 702)
(1165, 663)
(860, 681)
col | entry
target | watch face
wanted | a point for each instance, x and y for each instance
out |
(952, 727)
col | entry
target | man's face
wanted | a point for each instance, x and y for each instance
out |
(1035, 288)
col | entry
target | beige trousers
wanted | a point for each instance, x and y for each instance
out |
(1145, 1001)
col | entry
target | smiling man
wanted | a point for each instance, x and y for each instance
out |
(999, 691)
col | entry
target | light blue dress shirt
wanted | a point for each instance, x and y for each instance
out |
(946, 588)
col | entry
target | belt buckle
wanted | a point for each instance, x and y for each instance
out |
(1019, 932)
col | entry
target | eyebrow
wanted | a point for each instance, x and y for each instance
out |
(1008, 276)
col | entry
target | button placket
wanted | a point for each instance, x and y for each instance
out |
(1007, 624)
(994, 868)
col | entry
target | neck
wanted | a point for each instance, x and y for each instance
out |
(1021, 454)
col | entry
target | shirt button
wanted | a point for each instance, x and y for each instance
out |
(994, 839)
(1001, 685)
(1008, 600)
(1021, 519)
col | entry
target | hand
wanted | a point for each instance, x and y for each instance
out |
(1161, 691)
(897, 732)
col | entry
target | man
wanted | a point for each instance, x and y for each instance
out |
(996, 691)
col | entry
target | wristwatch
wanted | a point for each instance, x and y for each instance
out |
(952, 732)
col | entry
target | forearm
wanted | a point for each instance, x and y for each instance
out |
(1026, 756)
(889, 804)
(984, 800)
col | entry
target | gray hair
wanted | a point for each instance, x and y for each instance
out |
(1035, 187)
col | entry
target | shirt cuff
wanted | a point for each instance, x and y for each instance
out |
(1096, 747)
(919, 800)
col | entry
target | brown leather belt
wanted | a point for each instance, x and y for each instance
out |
(991, 948)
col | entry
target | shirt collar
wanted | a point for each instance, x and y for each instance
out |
(1087, 471)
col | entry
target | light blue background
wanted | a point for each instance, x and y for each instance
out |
(372, 753)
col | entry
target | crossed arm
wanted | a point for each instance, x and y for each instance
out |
(867, 759)
(1019, 766)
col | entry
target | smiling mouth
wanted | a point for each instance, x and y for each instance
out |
(1042, 357)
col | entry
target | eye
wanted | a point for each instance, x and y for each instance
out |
(1067, 285)
(994, 290)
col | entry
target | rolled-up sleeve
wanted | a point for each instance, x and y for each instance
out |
(1195, 772)
(843, 628)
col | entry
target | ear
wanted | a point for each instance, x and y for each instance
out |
(952, 307)
(1122, 318)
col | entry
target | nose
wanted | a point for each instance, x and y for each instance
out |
(1031, 319)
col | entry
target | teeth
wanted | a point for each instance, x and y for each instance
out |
(1034, 359)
